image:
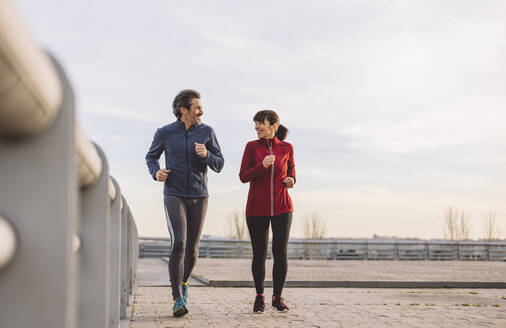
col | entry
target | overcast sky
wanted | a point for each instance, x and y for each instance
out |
(396, 109)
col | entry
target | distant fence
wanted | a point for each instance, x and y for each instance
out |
(68, 240)
(343, 249)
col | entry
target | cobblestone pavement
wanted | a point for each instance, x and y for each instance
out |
(240, 269)
(334, 307)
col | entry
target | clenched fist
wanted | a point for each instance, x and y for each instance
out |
(268, 160)
(289, 182)
(201, 150)
(162, 174)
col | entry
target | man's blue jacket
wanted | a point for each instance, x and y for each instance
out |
(188, 177)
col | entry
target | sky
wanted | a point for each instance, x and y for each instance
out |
(396, 108)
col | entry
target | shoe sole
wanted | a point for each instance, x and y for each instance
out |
(258, 312)
(280, 311)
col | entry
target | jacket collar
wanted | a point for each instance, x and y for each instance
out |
(274, 140)
(181, 124)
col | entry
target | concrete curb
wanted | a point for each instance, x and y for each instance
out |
(367, 284)
(355, 284)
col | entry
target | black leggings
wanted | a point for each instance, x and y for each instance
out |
(185, 218)
(258, 227)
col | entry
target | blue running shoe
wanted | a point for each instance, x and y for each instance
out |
(179, 308)
(186, 287)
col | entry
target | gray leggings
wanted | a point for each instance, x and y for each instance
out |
(185, 218)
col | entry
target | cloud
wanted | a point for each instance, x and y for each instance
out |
(114, 112)
(395, 108)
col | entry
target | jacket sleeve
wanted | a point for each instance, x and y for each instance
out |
(291, 166)
(153, 155)
(214, 158)
(249, 170)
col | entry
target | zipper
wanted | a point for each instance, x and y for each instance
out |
(187, 168)
(272, 179)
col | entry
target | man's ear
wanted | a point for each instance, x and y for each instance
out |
(183, 109)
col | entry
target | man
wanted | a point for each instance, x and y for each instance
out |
(190, 147)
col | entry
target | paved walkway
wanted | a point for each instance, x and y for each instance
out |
(336, 307)
(325, 307)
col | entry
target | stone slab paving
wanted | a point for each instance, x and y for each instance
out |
(333, 307)
(308, 270)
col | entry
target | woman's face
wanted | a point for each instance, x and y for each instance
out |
(265, 130)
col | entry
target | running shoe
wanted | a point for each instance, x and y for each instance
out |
(259, 306)
(186, 286)
(278, 304)
(179, 308)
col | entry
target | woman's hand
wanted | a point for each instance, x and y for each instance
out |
(289, 182)
(162, 174)
(268, 161)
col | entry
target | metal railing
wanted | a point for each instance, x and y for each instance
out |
(68, 240)
(343, 249)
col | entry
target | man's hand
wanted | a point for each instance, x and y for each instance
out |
(201, 150)
(268, 160)
(162, 174)
(289, 182)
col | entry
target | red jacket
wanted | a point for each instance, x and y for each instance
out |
(268, 195)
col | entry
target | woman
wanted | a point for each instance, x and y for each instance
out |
(267, 164)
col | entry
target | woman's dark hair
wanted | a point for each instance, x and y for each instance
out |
(183, 99)
(272, 117)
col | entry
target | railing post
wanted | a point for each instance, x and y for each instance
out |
(131, 253)
(39, 196)
(124, 259)
(115, 243)
(135, 253)
(95, 252)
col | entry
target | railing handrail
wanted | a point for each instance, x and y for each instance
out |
(32, 93)
(8, 242)
(31, 90)
(352, 241)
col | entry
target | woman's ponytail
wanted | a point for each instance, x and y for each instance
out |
(282, 132)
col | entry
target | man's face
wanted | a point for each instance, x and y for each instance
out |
(193, 115)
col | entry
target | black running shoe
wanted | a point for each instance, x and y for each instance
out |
(259, 306)
(278, 304)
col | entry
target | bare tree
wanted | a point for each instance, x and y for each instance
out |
(491, 228)
(313, 226)
(237, 226)
(450, 224)
(456, 226)
(464, 227)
